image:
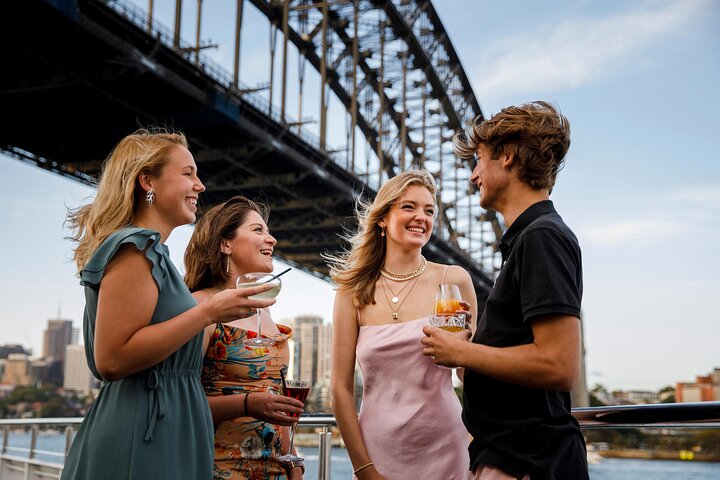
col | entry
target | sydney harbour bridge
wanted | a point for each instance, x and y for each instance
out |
(305, 105)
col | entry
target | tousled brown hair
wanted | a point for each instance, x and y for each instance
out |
(536, 133)
(204, 262)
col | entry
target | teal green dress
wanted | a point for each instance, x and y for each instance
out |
(155, 424)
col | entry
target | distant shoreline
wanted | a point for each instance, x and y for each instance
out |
(684, 455)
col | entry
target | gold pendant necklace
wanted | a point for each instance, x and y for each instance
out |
(396, 296)
(391, 303)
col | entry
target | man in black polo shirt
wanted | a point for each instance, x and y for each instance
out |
(525, 355)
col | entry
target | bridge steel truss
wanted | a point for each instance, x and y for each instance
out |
(86, 72)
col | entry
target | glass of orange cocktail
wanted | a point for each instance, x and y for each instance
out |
(447, 304)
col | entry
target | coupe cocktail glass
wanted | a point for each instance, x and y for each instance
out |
(253, 280)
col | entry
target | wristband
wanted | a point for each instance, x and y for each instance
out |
(245, 405)
(362, 468)
(292, 465)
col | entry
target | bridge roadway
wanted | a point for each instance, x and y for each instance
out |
(78, 76)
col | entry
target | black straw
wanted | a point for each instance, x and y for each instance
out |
(276, 276)
(282, 377)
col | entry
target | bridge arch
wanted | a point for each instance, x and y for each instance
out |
(390, 64)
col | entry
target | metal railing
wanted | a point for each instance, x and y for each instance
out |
(673, 415)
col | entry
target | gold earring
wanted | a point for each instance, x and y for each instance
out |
(227, 265)
(382, 231)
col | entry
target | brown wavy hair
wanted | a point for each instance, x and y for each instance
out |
(536, 133)
(145, 151)
(204, 262)
(358, 268)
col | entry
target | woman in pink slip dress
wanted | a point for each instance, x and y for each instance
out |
(409, 425)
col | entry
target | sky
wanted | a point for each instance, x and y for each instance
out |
(638, 80)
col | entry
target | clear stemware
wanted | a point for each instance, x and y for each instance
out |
(299, 390)
(252, 280)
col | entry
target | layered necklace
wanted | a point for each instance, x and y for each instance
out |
(404, 277)
(395, 303)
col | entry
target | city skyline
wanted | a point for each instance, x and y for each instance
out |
(641, 186)
(310, 355)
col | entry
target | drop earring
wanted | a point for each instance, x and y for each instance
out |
(150, 197)
(227, 265)
(382, 231)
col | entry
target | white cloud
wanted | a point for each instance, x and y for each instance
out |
(700, 195)
(614, 233)
(682, 210)
(578, 50)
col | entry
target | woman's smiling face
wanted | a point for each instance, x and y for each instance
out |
(252, 246)
(409, 222)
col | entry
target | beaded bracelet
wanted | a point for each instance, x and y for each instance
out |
(362, 468)
(245, 405)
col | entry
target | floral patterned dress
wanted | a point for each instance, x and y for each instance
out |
(245, 448)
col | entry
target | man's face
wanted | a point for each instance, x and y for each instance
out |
(490, 177)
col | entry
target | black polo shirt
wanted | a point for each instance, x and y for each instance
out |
(520, 429)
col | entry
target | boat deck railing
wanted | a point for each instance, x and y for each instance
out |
(22, 462)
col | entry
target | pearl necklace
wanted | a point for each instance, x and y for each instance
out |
(404, 277)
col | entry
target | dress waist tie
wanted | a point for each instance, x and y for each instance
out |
(156, 403)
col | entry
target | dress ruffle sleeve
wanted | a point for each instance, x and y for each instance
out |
(147, 241)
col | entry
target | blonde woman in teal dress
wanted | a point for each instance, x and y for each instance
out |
(142, 327)
(243, 384)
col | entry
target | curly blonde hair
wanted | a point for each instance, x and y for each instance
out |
(118, 192)
(536, 133)
(357, 269)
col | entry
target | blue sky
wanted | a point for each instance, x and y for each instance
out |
(638, 81)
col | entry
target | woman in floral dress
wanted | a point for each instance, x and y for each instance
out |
(243, 384)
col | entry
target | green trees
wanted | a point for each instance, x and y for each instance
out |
(45, 401)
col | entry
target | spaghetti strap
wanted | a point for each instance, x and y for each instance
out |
(444, 272)
(357, 310)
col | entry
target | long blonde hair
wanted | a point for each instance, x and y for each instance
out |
(204, 262)
(117, 193)
(356, 270)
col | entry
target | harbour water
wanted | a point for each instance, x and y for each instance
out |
(341, 468)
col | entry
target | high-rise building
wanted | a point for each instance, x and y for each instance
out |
(17, 370)
(58, 335)
(42, 372)
(77, 374)
(312, 349)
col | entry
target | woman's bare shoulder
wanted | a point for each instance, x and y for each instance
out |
(203, 295)
(453, 273)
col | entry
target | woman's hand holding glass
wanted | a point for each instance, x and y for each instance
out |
(452, 314)
(273, 408)
(465, 310)
(451, 311)
(231, 304)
